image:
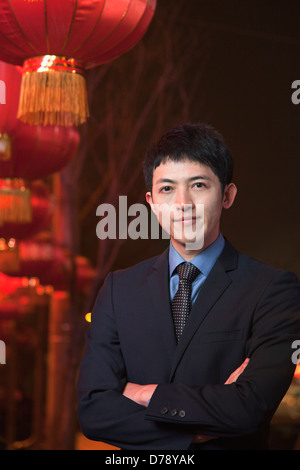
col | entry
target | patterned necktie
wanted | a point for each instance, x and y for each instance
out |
(182, 300)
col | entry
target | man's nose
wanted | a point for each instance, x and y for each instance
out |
(183, 199)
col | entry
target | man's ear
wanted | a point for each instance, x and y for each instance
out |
(150, 201)
(229, 195)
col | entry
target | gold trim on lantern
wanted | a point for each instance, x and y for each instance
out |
(5, 147)
(53, 92)
(53, 63)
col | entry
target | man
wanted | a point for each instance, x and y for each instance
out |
(150, 379)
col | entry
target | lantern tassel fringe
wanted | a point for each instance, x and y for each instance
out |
(53, 98)
(15, 206)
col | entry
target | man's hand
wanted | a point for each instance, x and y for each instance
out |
(234, 376)
(141, 394)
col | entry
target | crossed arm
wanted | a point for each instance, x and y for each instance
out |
(141, 394)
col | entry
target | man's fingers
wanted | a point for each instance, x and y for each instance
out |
(234, 376)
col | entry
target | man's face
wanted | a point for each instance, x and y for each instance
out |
(182, 193)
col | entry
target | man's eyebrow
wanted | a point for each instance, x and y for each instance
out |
(165, 180)
(199, 177)
(192, 178)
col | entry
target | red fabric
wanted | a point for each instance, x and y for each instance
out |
(94, 31)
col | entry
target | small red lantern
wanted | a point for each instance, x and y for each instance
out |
(57, 40)
(43, 258)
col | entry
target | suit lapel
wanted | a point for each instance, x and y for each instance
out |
(213, 288)
(158, 284)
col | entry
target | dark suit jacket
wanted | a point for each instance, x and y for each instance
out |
(244, 309)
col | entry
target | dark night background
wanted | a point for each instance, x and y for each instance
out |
(231, 65)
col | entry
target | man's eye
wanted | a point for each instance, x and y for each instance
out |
(199, 185)
(165, 189)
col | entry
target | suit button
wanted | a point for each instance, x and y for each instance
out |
(164, 410)
(173, 412)
(181, 413)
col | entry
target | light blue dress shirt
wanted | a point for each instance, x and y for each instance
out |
(204, 262)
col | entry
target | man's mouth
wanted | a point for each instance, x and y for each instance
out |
(189, 220)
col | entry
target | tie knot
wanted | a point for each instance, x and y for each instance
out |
(187, 271)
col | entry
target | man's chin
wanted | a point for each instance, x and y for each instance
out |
(192, 244)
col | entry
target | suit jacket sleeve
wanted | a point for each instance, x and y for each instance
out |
(104, 413)
(243, 407)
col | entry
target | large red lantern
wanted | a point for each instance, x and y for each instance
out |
(56, 41)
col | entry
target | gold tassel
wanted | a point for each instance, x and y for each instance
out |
(53, 92)
(5, 147)
(15, 202)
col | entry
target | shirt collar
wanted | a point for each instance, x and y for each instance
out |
(204, 261)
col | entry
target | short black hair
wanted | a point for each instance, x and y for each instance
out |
(197, 142)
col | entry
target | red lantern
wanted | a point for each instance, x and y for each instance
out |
(57, 40)
(36, 151)
(38, 255)
(41, 257)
